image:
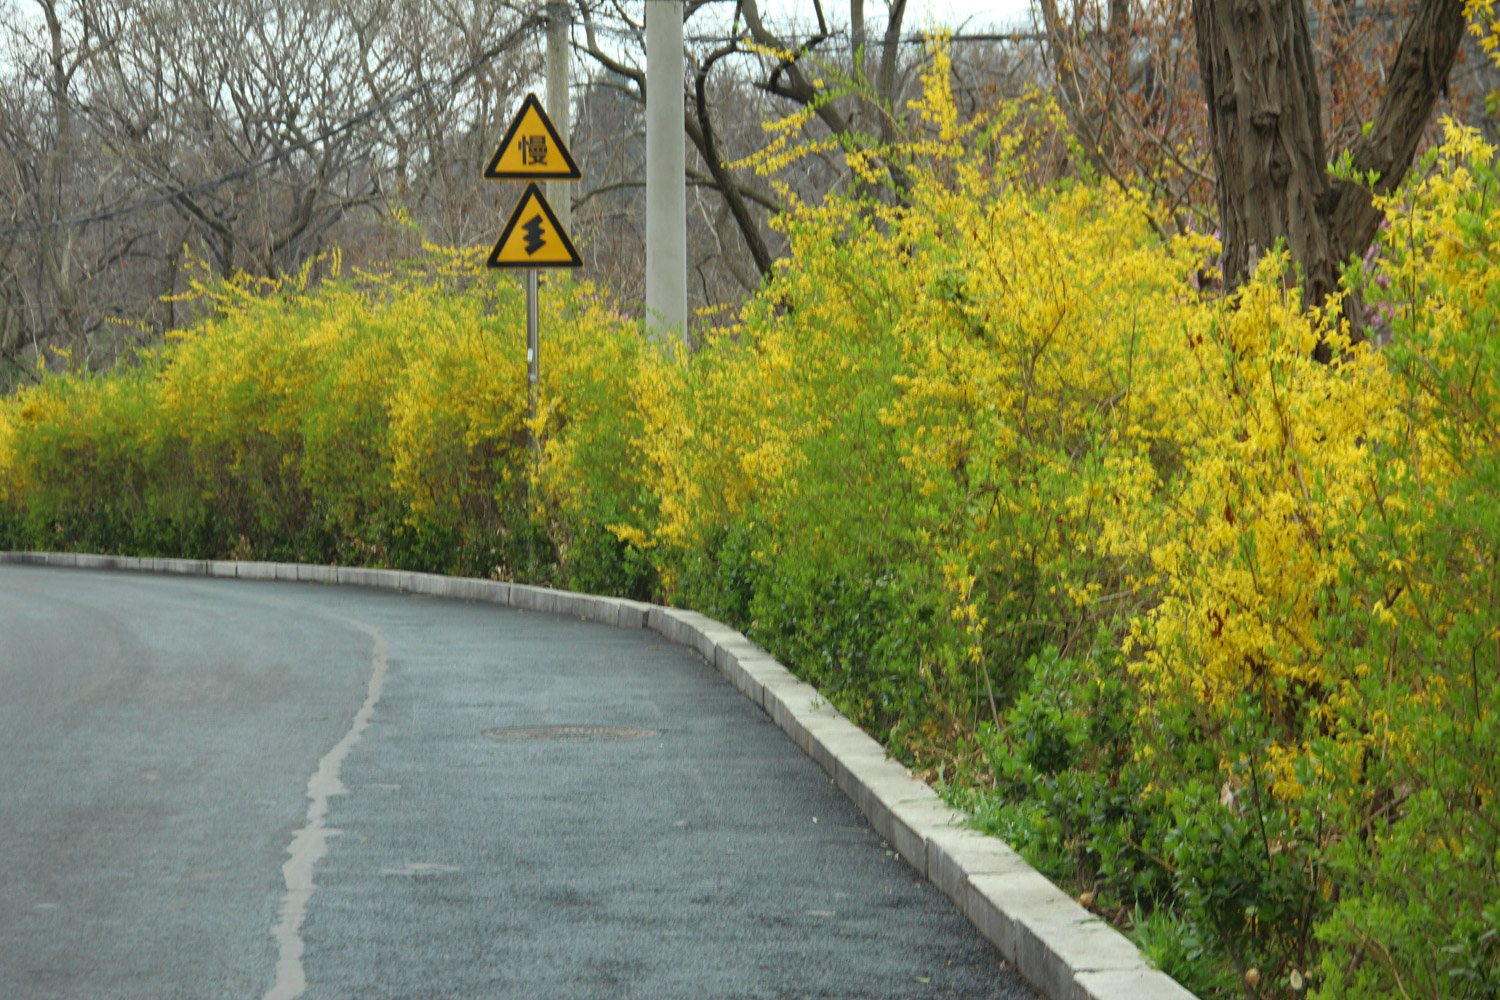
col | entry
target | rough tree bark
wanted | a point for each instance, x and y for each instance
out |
(1265, 119)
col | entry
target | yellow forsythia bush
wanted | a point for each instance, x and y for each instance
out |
(936, 405)
(1121, 556)
(378, 419)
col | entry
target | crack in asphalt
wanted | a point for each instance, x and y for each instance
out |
(310, 843)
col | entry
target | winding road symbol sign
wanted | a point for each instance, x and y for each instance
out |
(532, 148)
(533, 237)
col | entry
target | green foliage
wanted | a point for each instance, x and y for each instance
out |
(1173, 945)
(1064, 746)
(1415, 911)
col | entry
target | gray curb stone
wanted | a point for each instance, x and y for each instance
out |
(255, 571)
(317, 574)
(1061, 948)
(633, 614)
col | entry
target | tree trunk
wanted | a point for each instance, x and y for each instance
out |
(708, 148)
(1418, 77)
(1119, 48)
(57, 245)
(1265, 121)
(1266, 125)
(885, 83)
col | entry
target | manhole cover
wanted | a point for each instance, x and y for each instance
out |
(569, 733)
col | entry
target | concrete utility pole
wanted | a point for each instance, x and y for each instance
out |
(559, 60)
(666, 167)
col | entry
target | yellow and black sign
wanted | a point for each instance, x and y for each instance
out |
(531, 148)
(533, 237)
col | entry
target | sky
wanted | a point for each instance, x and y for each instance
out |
(972, 15)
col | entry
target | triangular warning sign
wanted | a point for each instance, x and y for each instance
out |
(533, 237)
(531, 148)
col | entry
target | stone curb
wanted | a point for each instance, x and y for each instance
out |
(1062, 949)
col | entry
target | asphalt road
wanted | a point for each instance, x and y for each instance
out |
(218, 788)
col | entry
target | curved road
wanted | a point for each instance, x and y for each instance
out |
(219, 788)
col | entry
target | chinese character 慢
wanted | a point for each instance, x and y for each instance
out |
(534, 149)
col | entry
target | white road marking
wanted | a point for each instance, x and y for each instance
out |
(310, 843)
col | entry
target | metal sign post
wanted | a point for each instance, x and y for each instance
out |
(533, 355)
(533, 237)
